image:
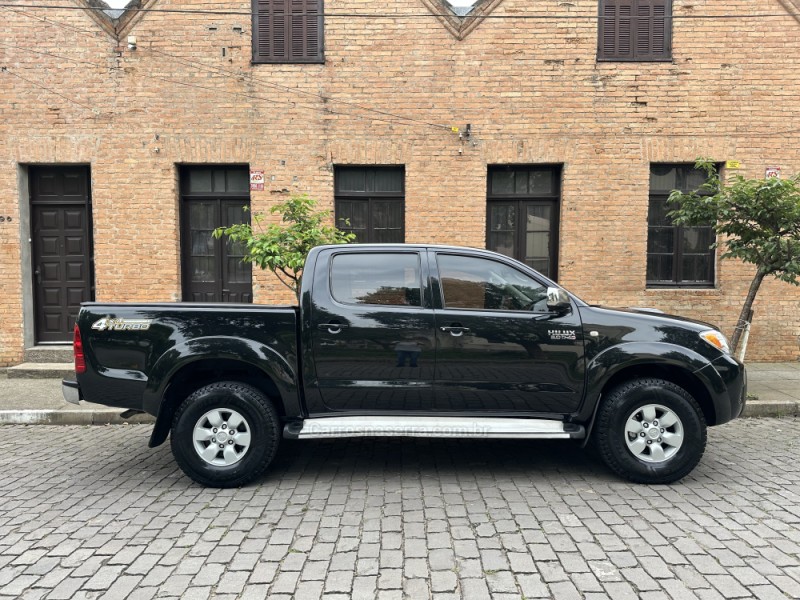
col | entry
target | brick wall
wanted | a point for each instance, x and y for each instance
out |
(531, 89)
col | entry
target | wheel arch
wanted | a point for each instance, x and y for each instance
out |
(679, 376)
(198, 373)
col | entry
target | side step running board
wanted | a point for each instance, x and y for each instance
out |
(434, 426)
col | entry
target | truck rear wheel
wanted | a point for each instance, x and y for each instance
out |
(650, 431)
(225, 434)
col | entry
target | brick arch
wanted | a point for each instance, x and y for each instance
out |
(119, 26)
(461, 26)
(793, 7)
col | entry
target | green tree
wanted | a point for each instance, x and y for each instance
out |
(282, 247)
(756, 221)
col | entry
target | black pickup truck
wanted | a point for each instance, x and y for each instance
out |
(410, 340)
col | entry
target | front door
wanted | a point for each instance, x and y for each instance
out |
(61, 249)
(498, 348)
(213, 270)
(372, 336)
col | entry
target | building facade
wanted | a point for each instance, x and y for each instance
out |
(551, 131)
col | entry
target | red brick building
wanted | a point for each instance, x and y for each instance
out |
(125, 141)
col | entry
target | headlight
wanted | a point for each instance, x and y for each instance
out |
(716, 339)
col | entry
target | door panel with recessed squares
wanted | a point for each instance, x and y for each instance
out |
(61, 244)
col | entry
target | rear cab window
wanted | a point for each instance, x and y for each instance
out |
(379, 278)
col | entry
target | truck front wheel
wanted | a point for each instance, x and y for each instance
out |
(650, 431)
(225, 434)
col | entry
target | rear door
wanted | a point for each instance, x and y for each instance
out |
(498, 348)
(372, 332)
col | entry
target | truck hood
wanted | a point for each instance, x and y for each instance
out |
(654, 312)
(613, 326)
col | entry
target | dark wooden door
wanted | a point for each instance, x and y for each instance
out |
(62, 249)
(213, 270)
(522, 214)
(370, 203)
(526, 230)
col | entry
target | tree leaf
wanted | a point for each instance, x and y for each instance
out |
(282, 247)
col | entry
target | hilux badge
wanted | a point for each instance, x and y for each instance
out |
(107, 323)
(561, 334)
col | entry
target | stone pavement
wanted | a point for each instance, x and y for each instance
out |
(89, 512)
(774, 390)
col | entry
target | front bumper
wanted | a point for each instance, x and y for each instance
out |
(71, 391)
(744, 392)
(733, 397)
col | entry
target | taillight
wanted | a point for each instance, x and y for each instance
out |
(77, 349)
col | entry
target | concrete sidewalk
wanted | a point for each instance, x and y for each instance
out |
(39, 402)
(773, 389)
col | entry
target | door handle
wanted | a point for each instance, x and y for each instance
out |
(38, 274)
(545, 316)
(455, 330)
(332, 328)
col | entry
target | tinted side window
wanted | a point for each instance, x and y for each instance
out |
(479, 283)
(389, 278)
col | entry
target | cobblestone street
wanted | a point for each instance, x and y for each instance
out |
(87, 512)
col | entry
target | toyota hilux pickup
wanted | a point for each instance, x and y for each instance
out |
(410, 340)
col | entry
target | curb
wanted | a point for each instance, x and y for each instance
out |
(753, 409)
(70, 417)
(41, 371)
(756, 409)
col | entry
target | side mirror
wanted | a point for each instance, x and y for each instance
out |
(557, 300)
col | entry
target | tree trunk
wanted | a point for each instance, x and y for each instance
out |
(748, 305)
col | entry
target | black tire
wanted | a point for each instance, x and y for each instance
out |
(260, 420)
(612, 440)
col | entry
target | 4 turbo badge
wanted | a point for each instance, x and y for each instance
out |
(109, 324)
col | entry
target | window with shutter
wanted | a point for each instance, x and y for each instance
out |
(287, 31)
(635, 30)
